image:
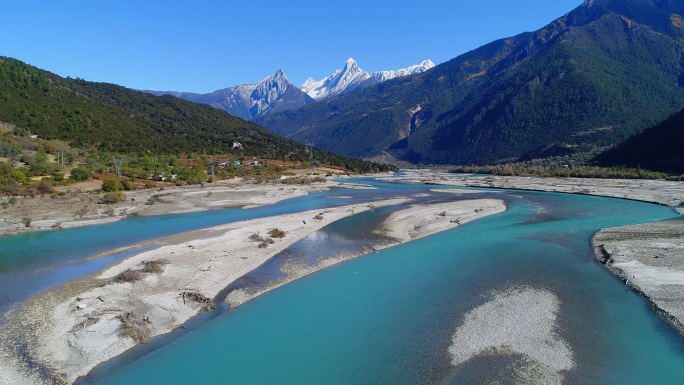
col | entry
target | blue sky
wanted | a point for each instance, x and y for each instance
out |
(201, 46)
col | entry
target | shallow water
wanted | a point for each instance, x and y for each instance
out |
(388, 317)
(33, 262)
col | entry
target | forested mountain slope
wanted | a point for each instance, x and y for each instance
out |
(659, 148)
(595, 76)
(112, 117)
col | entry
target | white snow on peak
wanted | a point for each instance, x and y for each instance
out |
(352, 78)
(307, 84)
(412, 70)
(349, 78)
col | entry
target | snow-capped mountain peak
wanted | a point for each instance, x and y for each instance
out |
(412, 70)
(267, 91)
(307, 84)
(353, 78)
(348, 79)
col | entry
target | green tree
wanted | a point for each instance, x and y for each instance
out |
(111, 197)
(6, 169)
(39, 169)
(80, 174)
(110, 185)
(10, 150)
(41, 156)
(69, 158)
(18, 176)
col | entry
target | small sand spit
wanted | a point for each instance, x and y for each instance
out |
(520, 321)
(395, 225)
(422, 220)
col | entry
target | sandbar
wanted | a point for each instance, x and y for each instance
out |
(81, 208)
(520, 321)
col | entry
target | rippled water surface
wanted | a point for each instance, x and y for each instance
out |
(388, 317)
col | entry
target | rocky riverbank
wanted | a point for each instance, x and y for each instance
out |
(649, 258)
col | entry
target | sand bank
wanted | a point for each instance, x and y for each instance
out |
(81, 208)
(650, 258)
(68, 331)
(662, 192)
(422, 220)
(518, 322)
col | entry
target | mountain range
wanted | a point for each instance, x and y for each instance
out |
(247, 101)
(352, 78)
(276, 93)
(599, 74)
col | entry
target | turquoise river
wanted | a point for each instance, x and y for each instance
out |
(387, 317)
